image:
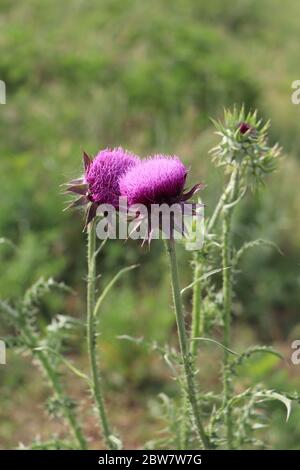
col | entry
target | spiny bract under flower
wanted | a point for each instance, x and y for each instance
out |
(156, 180)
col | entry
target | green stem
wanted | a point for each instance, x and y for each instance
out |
(183, 341)
(197, 314)
(216, 213)
(227, 299)
(91, 337)
(197, 330)
(185, 423)
(219, 207)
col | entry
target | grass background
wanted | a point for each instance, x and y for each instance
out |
(147, 76)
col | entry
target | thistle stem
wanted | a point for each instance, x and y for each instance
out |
(230, 193)
(219, 207)
(197, 330)
(185, 424)
(197, 314)
(227, 301)
(91, 337)
(183, 341)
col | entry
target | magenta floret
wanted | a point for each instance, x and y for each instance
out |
(156, 180)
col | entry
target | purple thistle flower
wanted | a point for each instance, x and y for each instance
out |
(100, 182)
(157, 180)
(104, 172)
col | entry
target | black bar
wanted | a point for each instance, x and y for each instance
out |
(133, 459)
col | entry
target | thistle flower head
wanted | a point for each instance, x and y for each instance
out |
(244, 143)
(156, 180)
(100, 182)
(103, 174)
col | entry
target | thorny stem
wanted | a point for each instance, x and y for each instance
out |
(183, 341)
(220, 206)
(216, 212)
(185, 424)
(91, 337)
(198, 320)
(227, 300)
(55, 382)
(197, 314)
(196, 331)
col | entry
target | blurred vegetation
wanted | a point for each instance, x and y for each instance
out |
(147, 76)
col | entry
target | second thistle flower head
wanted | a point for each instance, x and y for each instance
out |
(100, 182)
(244, 143)
(157, 180)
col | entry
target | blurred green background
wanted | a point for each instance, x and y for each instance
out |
(147, 75)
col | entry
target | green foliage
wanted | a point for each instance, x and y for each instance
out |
(32, 339)
(147, 76)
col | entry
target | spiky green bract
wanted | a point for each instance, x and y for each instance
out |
(245, 144)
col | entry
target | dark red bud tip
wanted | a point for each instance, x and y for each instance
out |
(244, 127)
